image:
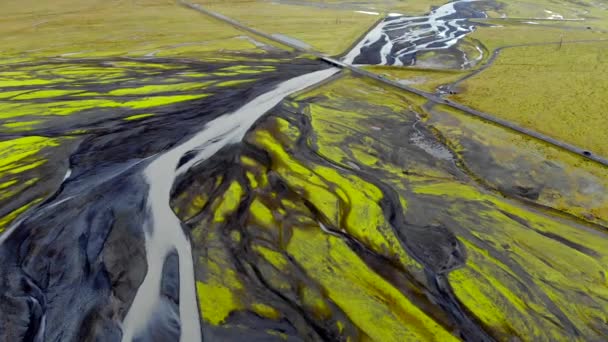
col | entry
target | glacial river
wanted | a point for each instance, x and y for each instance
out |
(397, 39)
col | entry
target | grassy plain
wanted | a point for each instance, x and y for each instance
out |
(327, 30)
(561, 92)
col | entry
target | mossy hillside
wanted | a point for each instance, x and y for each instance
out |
(283, 233)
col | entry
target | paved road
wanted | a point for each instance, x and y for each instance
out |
(429, 96)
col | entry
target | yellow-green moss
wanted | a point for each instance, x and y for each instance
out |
(138, 116)
(376, 307)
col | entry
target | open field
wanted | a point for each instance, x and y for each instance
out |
(560, 92)
(31, 29)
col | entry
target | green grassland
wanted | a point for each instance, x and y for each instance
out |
(561, 92)
(488, 234)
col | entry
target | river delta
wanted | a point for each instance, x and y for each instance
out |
(247, 185)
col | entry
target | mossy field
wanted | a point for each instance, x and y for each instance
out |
(512, 33)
